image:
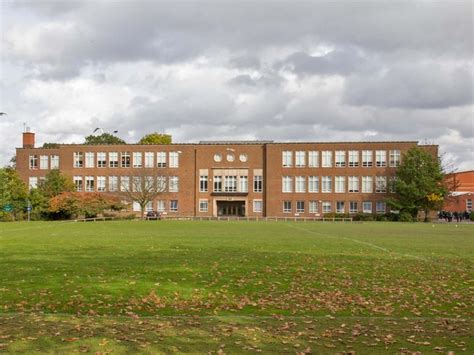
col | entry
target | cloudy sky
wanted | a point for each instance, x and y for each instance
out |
(286, 70)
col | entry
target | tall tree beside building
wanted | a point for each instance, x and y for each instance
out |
(104, 138)
(156, 138)
(13, 194)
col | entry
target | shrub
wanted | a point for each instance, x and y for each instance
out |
(406, 217)
(363, 217)
(471, 216)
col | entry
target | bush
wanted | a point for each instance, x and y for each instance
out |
(363, 217)
(336, 215)
(471, 216)
(406, 217)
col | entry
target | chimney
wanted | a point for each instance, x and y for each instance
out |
(28, 138)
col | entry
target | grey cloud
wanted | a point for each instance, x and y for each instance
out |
(245, 62)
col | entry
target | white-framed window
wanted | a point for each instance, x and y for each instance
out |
(78, 159)
(149, 161)
(218, 183)
(367, 207)
(44, 162)
(113, 183)
(137, 159)
(340, 184)
(353, 158)
(299, 206)
(326, 184)
(137, 183)
(313, 184)
(367, 184)
(230, 183)
(469, 205)
(353, 184)
(32, 182)
(78, 183)
(287, 182)
(203, 206)
(257, 206)
(381, 184)
(149, 183)
(113, 160)
(367, 158)
(313, 159)
(300, 159)
(287, 159)
(89, 159)
(380, 207)
(258, 183)
(313, 207)
(161, 183)
(101, 160)
(327, 206)
(101, 183)
(149, 206)
(203, 183)
(353, 207)
(286, 206)
(161, 205)
(90, 184)
(381, 158)
(244, 183)
(300, 184)
(174, 184)
(125, 183)
(136, 206)
(394, 158)
(54, 161)
(174, 206)
(125, 156)
(340, 207)
(326, 159)
(33, 162)
(161, 159)
(340, 158)
(174, 159)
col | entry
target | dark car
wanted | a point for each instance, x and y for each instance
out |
(152, 215)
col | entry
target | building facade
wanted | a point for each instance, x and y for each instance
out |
(462, 195)
(250, 178)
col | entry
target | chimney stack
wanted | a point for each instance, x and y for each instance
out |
(28, 138)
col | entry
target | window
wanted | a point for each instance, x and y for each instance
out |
(217, 157)
(394, 158)
(54, 161)
(313, 207)
(174, 184)
(137, 159)
(149, 206)
(367, 207)
(313, 159)
(161, 183)
(230, 157)
(125, 159)
(300, 183)
(340, 184)
(257, 206)
(353, 158)
(113, 183)
(78, 159)
(44, 160)
(101, 160)
(299, 206)
(300, 160)
(353, 184)
(230, 183)
(287, 183)
(33, 162)
(340, 158)
(258, 183)
(243, 158)
(161, 206)
(203, 206)
(137, 184)
(286, 206)
(33, 182)
(136, 206)
(313, 184)
(101, 183)
(326, 207)
(217, 183)
(125, 183)
(89, 159)
(287, 158)
(149, 163)
(367, 158)
(203, 183)
(150, 183)
(340, 207)
(90, 183)
(353, 207)
(327, 159)
(161, 159)
(78, 183)
(326, 184)
(113, 160)
(367, 184)
(174, 159)
(381, 184)
(381, 158)
(469, 205)
(174, 206)
(244, 184)
(380, 207)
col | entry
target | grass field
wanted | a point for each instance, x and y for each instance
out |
(227, 287)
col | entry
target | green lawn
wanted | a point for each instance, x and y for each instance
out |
(227, 287)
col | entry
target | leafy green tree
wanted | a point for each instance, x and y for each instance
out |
(156, 138)
(54, 184)
(419, 184)
(104, 138)
(13, 192)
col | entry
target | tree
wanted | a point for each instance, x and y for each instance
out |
(104, 138)
(156, 138)
(419, 184)
(13, 193)
(54, 184)
(74, 204)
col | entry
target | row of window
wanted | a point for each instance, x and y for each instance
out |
(126, 159)
(230, 183)
(43, 162)
(160, 206)
(341, 184)
(329, 206)
(342, 158)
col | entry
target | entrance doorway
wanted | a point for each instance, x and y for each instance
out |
(231, 208)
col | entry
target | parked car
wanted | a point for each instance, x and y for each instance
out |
(152, 215)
